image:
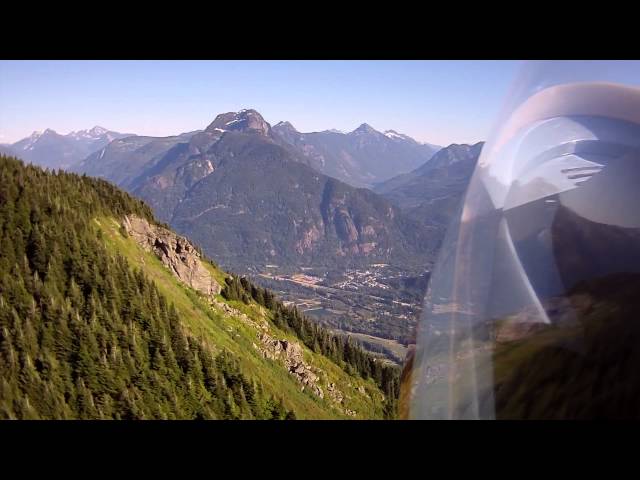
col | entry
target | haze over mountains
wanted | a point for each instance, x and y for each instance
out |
(360, 158)
(123, 160)
(50, 149)
(431, 193)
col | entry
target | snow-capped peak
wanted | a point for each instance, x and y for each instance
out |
(95, 132)
(245, 120)
(395, 135)
(35, 136)
(98, 130)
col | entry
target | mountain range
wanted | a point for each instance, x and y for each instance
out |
(251, 198)
(50, 149)
(360, 158)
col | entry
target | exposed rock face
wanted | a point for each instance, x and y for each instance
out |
(307, 375)
(335, 394)
(174, 251)
(242, 121)
(273, 349)
(345, 226)
(311, 236)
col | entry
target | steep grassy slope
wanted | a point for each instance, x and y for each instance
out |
(92, 325)
(223, 331)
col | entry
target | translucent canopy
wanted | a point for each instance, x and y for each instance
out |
(533, 310)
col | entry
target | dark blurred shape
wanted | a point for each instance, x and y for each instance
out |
(533, 308)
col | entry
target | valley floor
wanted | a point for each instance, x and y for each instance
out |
(379, 304)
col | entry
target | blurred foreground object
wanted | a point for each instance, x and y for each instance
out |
(533, 309)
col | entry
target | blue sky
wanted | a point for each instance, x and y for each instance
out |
(439, 102)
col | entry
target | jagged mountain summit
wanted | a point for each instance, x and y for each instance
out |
(242, 121)
(95, 133)
(52, 150)
(365, 129)
(360, 158)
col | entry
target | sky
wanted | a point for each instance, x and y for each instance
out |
(439, 102)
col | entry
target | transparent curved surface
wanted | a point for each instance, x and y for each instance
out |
(533, 311)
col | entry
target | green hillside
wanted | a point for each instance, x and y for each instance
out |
(92, 325)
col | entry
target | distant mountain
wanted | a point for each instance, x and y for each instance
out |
(431, 193)
(360, 158)
(52, 150)
(250, 198)
(401, 136)
(123, 160)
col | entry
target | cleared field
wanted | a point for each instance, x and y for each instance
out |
(398, 349)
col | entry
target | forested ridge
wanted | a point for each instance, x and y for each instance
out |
(85, 333)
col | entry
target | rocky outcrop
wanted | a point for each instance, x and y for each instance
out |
(308, 376)
(242, 121)
(309, 238)
(335, 394)
(175, 252)
(244, 318)
(292, 355)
